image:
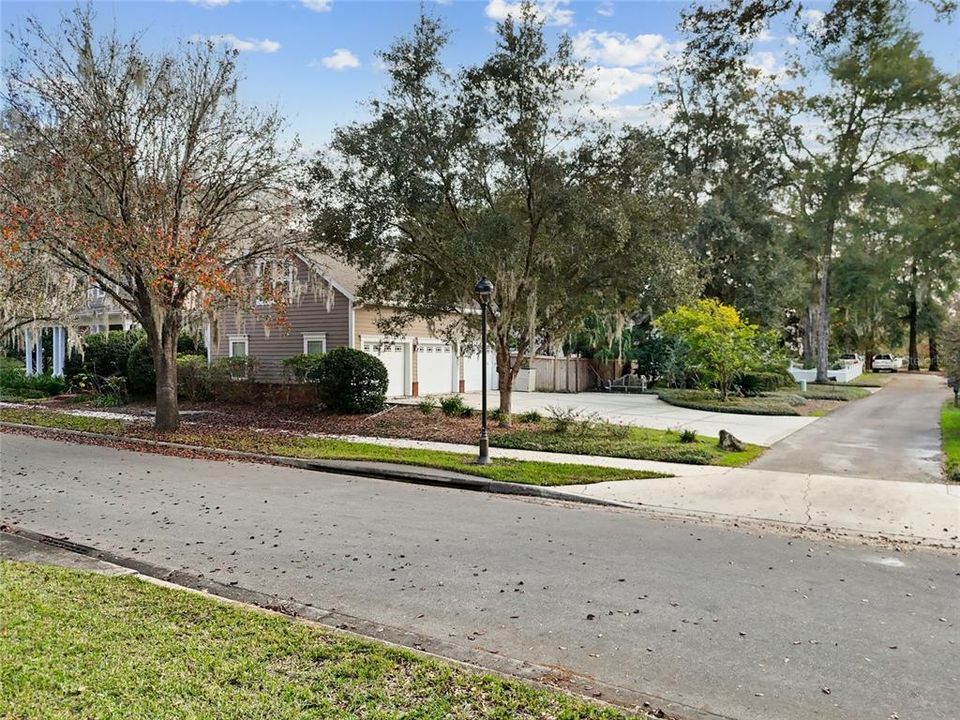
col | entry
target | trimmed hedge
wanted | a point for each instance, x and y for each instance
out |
(350, 381)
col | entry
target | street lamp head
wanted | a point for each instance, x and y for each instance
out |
(483, 289)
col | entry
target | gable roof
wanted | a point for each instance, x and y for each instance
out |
(343, 277)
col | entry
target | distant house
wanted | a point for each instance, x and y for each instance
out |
(98, 312)
(325, 313)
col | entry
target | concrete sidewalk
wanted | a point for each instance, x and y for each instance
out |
(924, 511)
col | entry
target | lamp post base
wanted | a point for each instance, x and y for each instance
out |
(484, 457)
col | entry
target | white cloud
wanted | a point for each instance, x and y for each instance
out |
(318, 5)
(620, 49)
(553, 12)
(651, 114)
(766, 36)
(248, 45)
(605, 8)
(610, 83)
(209, 3)
(813, 18)
(342, 59)
(793, 40)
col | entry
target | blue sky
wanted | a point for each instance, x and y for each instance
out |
(316, 59)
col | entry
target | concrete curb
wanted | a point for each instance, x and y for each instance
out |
(473, 659)
(380, 471)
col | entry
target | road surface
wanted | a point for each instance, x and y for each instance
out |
(744, 625)
(892, 435)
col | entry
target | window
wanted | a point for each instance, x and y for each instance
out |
(238, 345)
(274, 280)
(314, 343)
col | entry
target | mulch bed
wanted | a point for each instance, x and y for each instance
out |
(397, 421)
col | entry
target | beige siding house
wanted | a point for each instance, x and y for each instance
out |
(326, 314)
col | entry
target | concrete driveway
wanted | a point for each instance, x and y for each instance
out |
(651, 412)
(892, 435)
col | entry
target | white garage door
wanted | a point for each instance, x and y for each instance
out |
(392, 355)
(436, 372)
(472, 373)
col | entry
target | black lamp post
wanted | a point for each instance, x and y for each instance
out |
(483, 290)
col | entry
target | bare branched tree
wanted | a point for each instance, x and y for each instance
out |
(141, 172)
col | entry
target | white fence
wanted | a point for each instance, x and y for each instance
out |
(844, 375)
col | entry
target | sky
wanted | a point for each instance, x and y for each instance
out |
(317, 59)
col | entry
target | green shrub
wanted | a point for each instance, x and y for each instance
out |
(141, 377)
(426, 406)
(754, 382)
(107, 354)
(497, 415)
(112, 392)
(688, 436)
(453, 406)
(301, 367)
(233, 379)
(13, 377)
(190, 344)
(194, 382)
(351, 381)
(531, 416)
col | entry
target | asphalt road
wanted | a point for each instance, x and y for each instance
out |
(743, 625)
(892, 435)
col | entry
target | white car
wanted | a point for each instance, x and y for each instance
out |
(849, 359)
(886, 362)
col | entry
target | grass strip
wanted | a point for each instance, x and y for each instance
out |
(502, 469)
(83, 645)
(950, 433)
(627, 442)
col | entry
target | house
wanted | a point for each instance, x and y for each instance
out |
(324, 312)
(97, 312)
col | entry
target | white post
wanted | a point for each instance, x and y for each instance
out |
(38, 362)
(59, 350)
(28, 351)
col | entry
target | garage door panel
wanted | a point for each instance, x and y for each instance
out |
(393, 357)
(435, 368)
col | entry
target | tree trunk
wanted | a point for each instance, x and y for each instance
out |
(506, 374)
(163, 343)
(808, 335)
(823, 321)
(914, 359)
(934, 353)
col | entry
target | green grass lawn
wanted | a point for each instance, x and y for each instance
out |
(781, 402)
(950, 432)
(626, 442)
(82, 645)
(518, 471)
(57, 420)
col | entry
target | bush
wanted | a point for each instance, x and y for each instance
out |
(112, 392)
(193, 378)
(453, 406)
(233, 379)
(141, 377)
(531, 416)
(688, 436)
(301, 367)
(754, 382)
(13, 377)
(107, 354)
(190, 344)
(426, 406)
(351, 381)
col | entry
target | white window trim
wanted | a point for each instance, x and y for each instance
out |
(314, 337)
(245, 339)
